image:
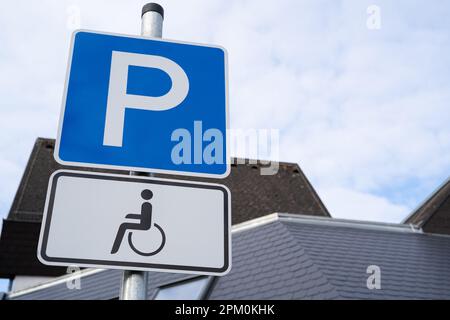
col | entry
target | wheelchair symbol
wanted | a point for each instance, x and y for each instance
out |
(144, 223)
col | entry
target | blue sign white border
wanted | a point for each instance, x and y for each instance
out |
(142, 169)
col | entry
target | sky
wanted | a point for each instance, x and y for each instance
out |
(358, 90)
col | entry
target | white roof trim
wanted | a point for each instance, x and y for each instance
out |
(319, 220)
(56, 281)
(360, 224)
(250, 224)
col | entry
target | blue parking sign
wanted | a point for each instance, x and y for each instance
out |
(141, 104)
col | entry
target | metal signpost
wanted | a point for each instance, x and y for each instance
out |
(134, 283)
(140, 104)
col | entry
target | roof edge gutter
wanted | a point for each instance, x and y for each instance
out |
(250, 224)
(360, 224)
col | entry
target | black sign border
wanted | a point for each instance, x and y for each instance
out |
(121, 264)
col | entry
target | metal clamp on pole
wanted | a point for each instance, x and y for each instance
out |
(134, 283)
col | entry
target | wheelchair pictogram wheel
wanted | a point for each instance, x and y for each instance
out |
(148, 254)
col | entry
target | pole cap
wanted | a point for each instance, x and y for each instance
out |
(153, 7)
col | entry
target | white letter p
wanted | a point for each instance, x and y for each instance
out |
(119, 100)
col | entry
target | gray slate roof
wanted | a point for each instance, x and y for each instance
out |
(300, 257)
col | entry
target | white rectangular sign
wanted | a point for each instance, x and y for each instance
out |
(133, 102)
(138, 223)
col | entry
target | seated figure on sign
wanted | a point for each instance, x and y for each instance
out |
(144, 223)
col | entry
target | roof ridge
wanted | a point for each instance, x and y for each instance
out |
(421, 209)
